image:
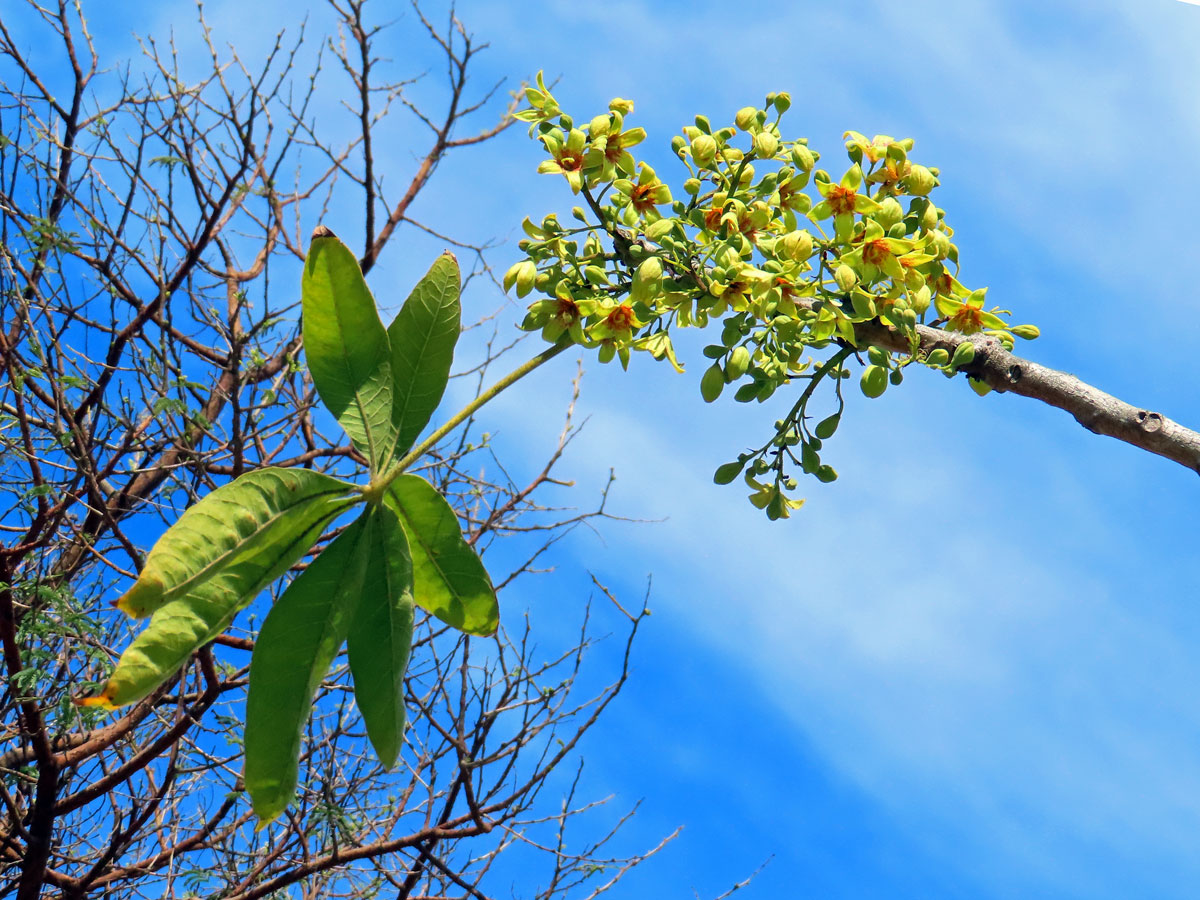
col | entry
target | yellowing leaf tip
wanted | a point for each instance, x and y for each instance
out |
(141, 599)
(101, 700)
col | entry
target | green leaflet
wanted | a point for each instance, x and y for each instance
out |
(449, 579)
(381, 635)
(347, 348)
(423, 336)
(294, 649)
(213, 562)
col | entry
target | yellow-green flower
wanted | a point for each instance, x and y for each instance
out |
(843, 201)
(968, 316)
(875, 253)
(560, 314)
(644, 195)
(613, 148)
(567, 158)
(615, 322)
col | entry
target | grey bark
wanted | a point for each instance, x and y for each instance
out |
(1092, 408)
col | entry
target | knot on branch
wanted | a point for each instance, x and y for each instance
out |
(1149, 422)
(1014, 374)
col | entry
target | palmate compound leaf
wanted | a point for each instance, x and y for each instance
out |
(347, 347)
(359, 587)
(422, 337)
(449, 579)
(212, 562)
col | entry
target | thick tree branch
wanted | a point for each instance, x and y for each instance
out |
(1095, 410)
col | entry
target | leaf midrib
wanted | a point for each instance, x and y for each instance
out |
(183, 587)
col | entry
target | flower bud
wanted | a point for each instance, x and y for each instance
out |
(766, 145)
(595, 275)
(797, 245)
(726, 473)
(874, 381)
(656, 231)
(599, 126)
(1028, 332)
(783, 101)
(803, 158)
(618, 105)
(964, 354)
(692, 186)
(704, 149)
(746, 116)
(921, 299)
(941, 243)
(929, 218)
(889, 213)
(521, 275)
(938, 357)
(649, 272)
(739, 362)
(526, 276)
(845, 277)
(712, 382)
(919, 181)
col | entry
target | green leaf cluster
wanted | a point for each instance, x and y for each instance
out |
(404, 549)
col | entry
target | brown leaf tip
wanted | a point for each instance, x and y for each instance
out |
(322, 231)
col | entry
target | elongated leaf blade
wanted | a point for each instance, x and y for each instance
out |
(347, 347)
(449, 579)
(294, 649)
(422, 338)
(381, 636)
(212, 562)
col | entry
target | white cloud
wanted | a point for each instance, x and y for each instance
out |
(990, 682)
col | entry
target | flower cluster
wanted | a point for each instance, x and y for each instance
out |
(787, 258)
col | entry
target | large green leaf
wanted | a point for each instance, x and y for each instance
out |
(381, 636)
(213, 562)
(299, 639)
(423, 336)
(449, 579)
(347, 347)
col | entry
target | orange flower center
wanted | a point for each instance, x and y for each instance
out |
(613, 148)
(747, 229)
(570, 160)
(968, 319)
(841, 200)
(621, 318)
(642, 197)
(876, 252)
(568, 311)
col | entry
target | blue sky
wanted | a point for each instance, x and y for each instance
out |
(967, 668)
